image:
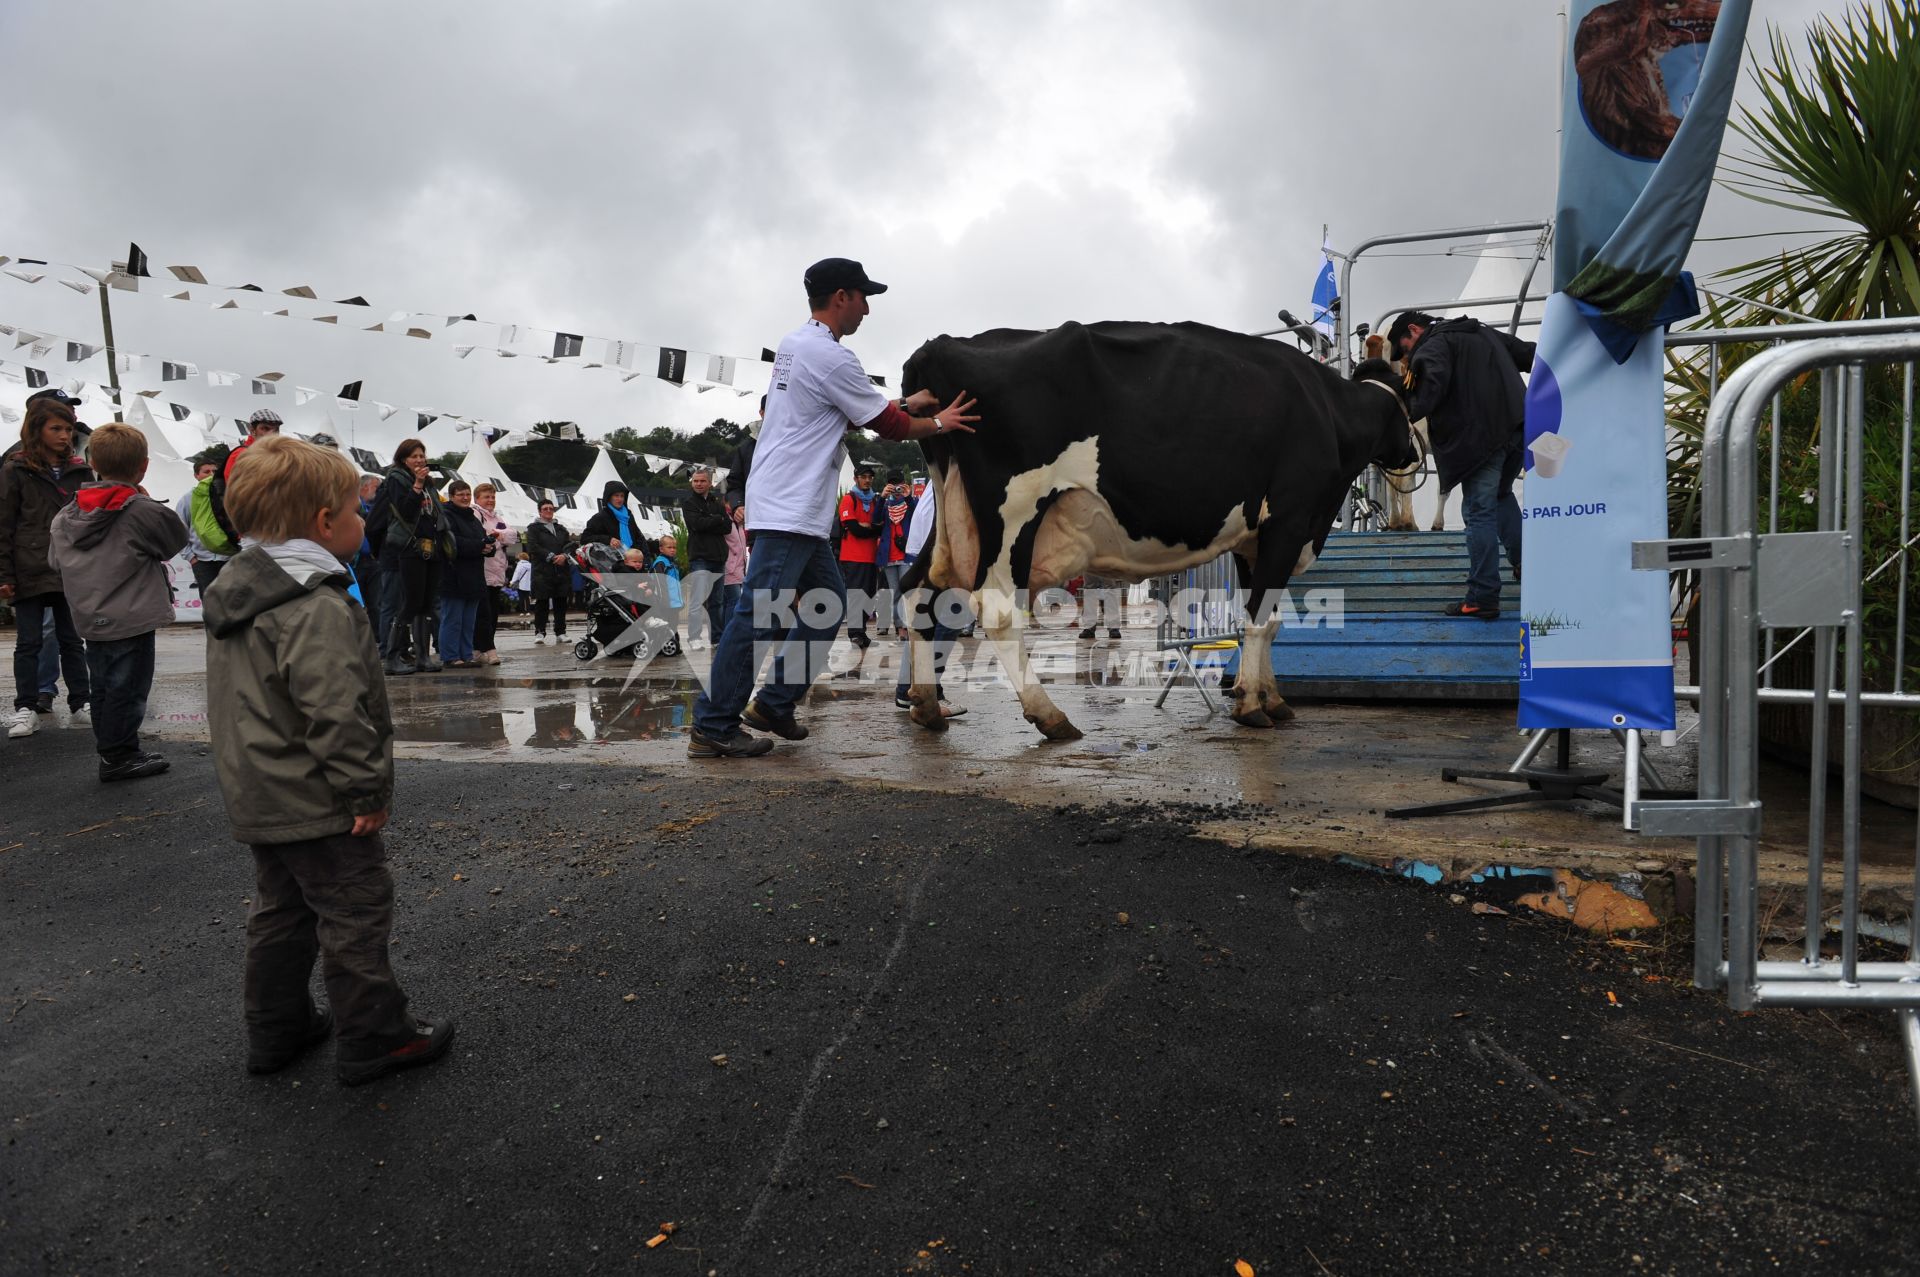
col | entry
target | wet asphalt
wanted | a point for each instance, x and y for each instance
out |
(837, 1028)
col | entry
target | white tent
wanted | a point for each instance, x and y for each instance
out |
(481, 466)
(168, 477)
(603, 473)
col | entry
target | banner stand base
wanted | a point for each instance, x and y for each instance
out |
(1557, 784)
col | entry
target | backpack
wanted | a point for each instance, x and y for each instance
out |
(206, 523)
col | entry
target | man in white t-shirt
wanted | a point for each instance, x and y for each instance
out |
(794, 596)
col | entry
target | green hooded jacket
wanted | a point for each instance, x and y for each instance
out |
(296, 702)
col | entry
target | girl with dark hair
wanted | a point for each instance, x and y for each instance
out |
(416, 546)
(36, 480)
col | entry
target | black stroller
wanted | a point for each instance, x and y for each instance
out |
(626, 611)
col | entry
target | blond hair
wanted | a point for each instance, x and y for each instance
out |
(117, 451)
(280, 483)
(485, 487)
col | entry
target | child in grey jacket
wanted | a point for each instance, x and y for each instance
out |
(303, 745)
(111, 547)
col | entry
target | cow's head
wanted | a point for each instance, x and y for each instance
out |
(1394, 446)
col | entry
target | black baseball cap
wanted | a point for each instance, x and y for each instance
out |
(865, 467)
(834, 273)
(56, 394)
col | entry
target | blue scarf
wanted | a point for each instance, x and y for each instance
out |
(626, 524)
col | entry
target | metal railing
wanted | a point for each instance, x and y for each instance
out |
(1753, 585)
(1200, 606)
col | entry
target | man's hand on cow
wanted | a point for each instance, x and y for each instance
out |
(955, 416)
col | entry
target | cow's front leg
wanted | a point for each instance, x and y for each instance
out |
(1000, 618)
(1256, 696)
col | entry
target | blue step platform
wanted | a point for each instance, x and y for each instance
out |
(1396, 644)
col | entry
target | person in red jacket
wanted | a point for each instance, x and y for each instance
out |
(862, 519)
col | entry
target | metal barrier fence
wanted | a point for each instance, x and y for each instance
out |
(1753, 586)
(1200, 607)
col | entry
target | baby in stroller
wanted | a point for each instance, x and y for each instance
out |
(627, 608)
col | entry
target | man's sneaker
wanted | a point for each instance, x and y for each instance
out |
(1087, 633)
(735, 744)
(1473, 610)
(859, 639)
(1113, 634)
(273, 1059)
(785, 726)
(44, 704)
(80, 716)
(946, 710)
(138, 767)
(428, 1043)
(23, 722)
(539, 640)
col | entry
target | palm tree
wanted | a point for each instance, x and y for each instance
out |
(1839, 137)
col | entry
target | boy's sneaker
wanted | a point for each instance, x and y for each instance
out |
(736, 744)
(23, 722)
(135, 768)
(785, 726)
(272, 1060)
(1474, 610)
(946, 710)
(428, 1043)
(80, 716)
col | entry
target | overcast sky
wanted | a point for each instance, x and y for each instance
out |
(664, 173)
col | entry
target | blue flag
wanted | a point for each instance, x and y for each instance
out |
(1326, 291)
(1646, 107)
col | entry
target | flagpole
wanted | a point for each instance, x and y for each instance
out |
(113, 356)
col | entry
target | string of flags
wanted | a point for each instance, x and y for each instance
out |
(350, 398)
(625, 358)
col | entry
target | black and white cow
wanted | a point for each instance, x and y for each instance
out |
(1133, 450)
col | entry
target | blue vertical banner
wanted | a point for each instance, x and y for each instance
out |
(1647, 92)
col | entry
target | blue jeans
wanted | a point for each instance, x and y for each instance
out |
(704, 587)
(122, 671)
(456, 627)
(29, 618)
(784, 565)
(729, 601)
(1493, 520)
(943, 638)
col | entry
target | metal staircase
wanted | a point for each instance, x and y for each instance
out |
(1395, 643)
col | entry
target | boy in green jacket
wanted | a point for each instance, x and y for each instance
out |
(303, 745)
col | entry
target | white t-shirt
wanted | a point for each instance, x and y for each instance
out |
(818, 391)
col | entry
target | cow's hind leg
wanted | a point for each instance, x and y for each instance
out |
(1000, 618)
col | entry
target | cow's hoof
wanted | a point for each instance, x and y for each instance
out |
(929, 716)
(1060, 728)
(1253, 718)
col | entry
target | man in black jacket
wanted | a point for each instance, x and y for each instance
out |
(1466, 383)
(550, 546)
(707, 523)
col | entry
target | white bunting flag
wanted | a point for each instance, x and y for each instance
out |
(461, 352)
(187, 274)
(720, 369)
(385, 409)
(25, 275)
(77, 286)
(41, 349)
(304, 394)
(217, 378)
